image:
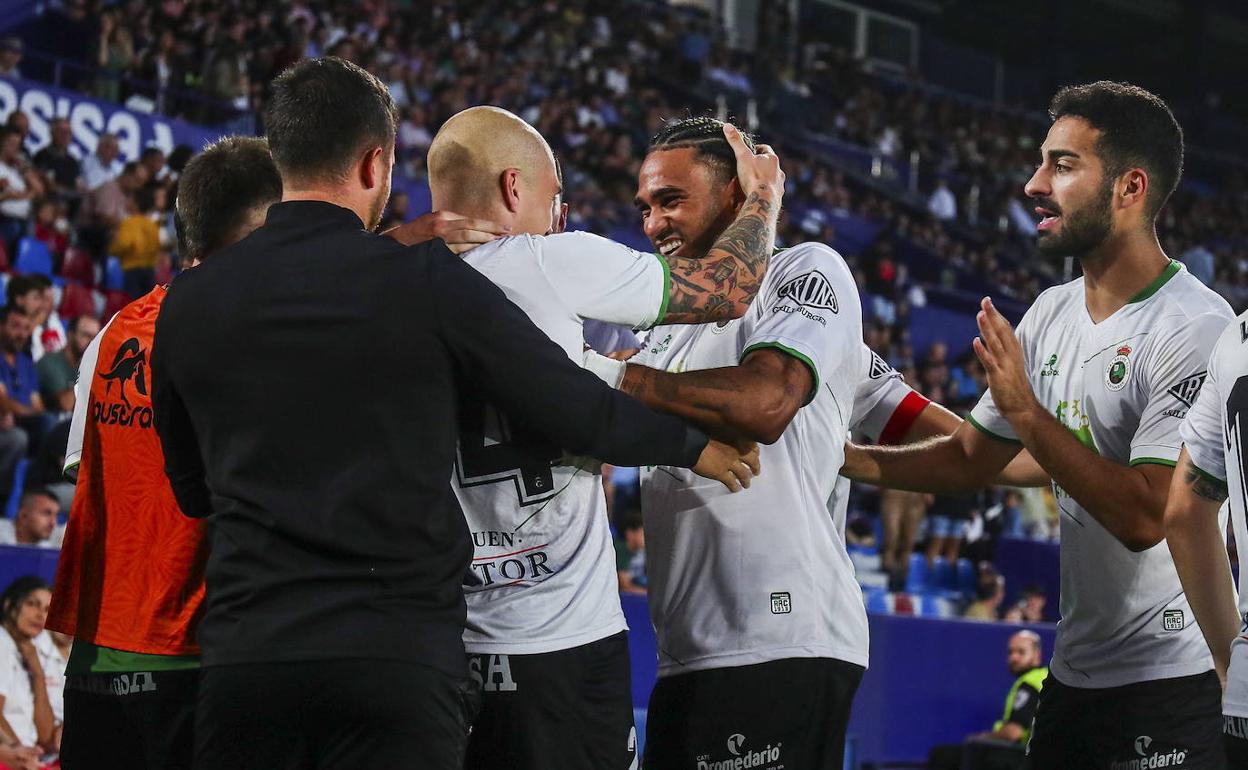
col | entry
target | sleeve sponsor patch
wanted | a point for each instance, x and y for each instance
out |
(808, 292)
(1187, 390)
(880, 368)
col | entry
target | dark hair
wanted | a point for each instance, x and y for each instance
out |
(704, 134)
(145, 199)
(9, 310)
(149, 151)
(76, 322)
(13, 597)
(1137, 131)
(130, 168)
(219, 189)
(33, 492)
(20, 285)
(322, 114)
(178, 158)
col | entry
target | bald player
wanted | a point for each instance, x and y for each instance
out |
(546, 636)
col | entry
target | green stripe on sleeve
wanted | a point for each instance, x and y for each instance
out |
(814, 373)
(667, 289)
(1152, 461)
(971, 419)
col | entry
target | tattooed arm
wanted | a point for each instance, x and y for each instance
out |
(1199, 550)
(720, 285)
(756, 399)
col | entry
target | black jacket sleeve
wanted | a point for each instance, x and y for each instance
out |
(527, 375)
(184, 465)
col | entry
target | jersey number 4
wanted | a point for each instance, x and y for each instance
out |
(492, 450)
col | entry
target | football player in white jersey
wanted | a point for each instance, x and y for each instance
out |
(1095, 384)
(546, 634)
(761, 597)
(1212, 469)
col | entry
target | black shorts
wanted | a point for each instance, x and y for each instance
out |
(1235, 739)
(1163, 723)
(789, 713)
(569, 709)
(131, 721)
(331, 714)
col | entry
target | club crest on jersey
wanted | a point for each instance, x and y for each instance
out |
(811, 289)
(1119, 369)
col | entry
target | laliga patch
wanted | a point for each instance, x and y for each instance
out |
(1119, 370)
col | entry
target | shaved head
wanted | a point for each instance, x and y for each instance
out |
(478, 151)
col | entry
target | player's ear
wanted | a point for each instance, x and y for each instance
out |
(509, 186)
(736, 194)
(372, 167)
(1134, 187)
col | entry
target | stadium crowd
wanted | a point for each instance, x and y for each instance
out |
(597, 79)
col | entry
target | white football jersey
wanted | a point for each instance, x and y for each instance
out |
(82, 401)
(543, 568)
(1122, 386)
(738, 579)
(1213, 434)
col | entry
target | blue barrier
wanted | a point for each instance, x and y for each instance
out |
(18, 560)
(930, 681)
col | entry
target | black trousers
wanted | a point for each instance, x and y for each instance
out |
(564, 710)
(791, 713)
(132, 721)
(1161, 723)
(332, 715)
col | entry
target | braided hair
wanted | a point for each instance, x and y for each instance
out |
(704, 134)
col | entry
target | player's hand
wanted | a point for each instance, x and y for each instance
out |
(20, 757)
(731, 465)
(758, 171)
(1001, 354)
(460, 233)
(625, 354)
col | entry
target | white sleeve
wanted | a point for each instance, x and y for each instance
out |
(82, 398)
(985, 416)
(1202, 429)
(1172, 377)
(811, 312)
(605, 280)
(884, 405)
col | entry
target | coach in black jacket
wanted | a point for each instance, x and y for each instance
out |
(306, 384)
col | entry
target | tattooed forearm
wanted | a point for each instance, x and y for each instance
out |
(1204, 487)
(720, 285)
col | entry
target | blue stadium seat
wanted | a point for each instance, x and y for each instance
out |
(113, 274)
(917, 579)
(877, 600)
(19, 481)
(33, 257)
(943, 576)
(966, 578)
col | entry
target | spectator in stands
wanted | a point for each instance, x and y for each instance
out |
(989, 593)
(153, 159)
(1003, 746)
(19, 396)
(942, 203)
(35, 521)
(59, 166)
(1030, 607)
(948, 519)
(114, 56)
(137, 243)
(34, 295)
(59, 371)
(105, 206)
(19, 185)
(397, 212)
(50, 228)
(10, 57)
(630, 551)
(901, 514)
(1200, 263)
(26, 715)
(103, 165)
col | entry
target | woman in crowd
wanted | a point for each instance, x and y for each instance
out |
(26, 718)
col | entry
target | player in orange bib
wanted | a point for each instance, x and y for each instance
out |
(130, 582)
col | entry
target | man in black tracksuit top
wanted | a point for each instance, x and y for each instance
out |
(305, 391)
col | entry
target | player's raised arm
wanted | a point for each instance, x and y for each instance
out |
(721, 284)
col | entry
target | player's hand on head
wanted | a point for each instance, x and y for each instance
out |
(1001, 354)
(461, 233)
(732, 465)
(758, 170)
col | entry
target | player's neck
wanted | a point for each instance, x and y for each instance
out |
(1119, 270)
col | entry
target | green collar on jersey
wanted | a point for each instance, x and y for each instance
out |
(1171, 270)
